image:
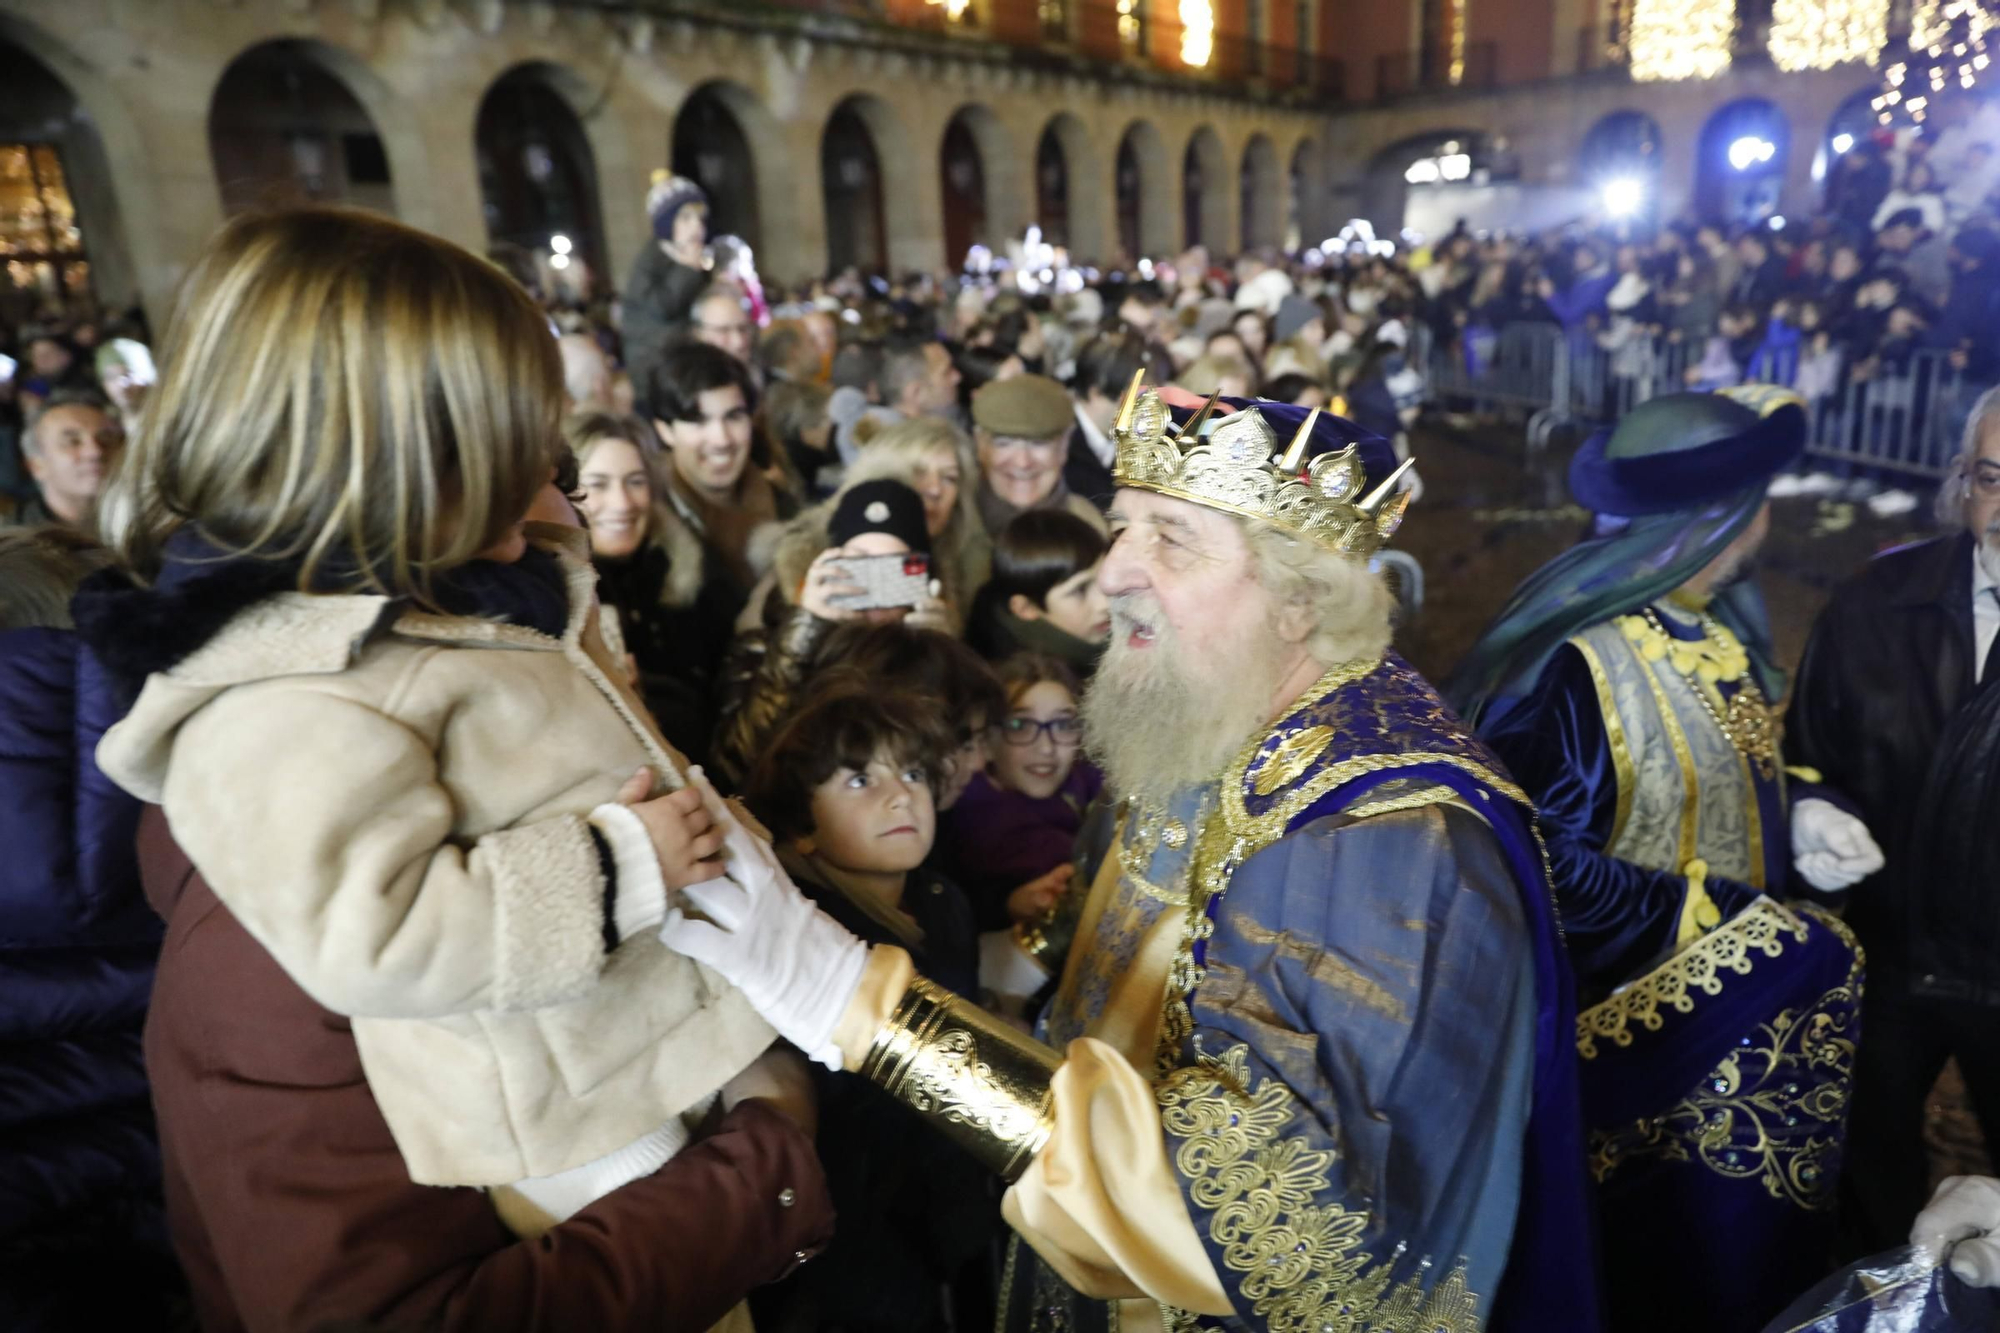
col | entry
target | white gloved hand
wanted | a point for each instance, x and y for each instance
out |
(1831, 848)
(796, 965)
(1963, 1218)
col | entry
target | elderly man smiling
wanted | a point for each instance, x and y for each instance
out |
(1309, 1062)
(1022, 426)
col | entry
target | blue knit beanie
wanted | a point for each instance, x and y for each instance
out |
(669, 195)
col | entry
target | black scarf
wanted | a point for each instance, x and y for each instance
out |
(134, 631)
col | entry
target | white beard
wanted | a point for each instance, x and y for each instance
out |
(1157, 723)
(1988, 551)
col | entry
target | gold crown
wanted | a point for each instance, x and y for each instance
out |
(1237, 468)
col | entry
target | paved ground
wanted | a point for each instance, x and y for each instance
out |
(1489, 516)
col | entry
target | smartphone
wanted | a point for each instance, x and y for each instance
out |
(884, 580)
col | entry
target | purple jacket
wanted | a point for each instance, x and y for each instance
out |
(77, 946)
(993, 840)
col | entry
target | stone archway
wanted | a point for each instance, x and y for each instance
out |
(711, 146)
(1205, 191)
(1263, 204)
(69, 243)
(857, 234)
(286, 124)
(976, 143)
(538, 174)
(1145, 193)
(1306, 222)
(1740, 161)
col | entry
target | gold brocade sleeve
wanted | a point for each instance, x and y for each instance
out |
(1099, 1200)
(977, 1080)
(1100, 1203)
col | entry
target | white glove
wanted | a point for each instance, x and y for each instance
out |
(796, 965)
(1965, 1210)
(1830, 847)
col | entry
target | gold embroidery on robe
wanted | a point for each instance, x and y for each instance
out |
(1773, 1110)
(1303, 1265)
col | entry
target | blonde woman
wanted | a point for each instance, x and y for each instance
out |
(431, 830)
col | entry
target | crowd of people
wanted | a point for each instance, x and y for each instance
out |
(383, 693)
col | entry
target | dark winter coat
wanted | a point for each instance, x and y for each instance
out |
(79, 1166)
(654, 311)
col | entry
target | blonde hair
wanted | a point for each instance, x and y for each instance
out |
(1350, 605)
(347, 393)
(899, 450)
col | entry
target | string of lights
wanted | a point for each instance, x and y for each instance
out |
(1681, 39)
(1819, 34)
(1947, 49)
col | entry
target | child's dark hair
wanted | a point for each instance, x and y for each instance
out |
(1023, 671)
(842, 723)
(921, 664)
(1040, 549)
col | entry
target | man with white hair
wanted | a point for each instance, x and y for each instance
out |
(1892, 674)
(1308, 1063)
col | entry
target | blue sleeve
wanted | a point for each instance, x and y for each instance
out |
(1618, 917)
(1351, 1137)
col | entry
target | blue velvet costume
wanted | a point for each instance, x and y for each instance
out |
(1367, 1077)
(1719, 1028)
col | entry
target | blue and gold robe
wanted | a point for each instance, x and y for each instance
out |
(1341, 964)
(1719, 1029)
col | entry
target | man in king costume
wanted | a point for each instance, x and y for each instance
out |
(1629, 687)
(1309, 1067)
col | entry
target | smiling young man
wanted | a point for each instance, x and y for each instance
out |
(1309, 1060)
(701, 401)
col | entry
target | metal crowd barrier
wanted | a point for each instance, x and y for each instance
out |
(1904, 419)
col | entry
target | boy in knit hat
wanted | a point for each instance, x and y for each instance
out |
(668, 275)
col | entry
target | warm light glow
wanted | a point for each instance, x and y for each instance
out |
(1681, 39)
(1457, 19)
(1819, 34)
(1131, 23)
(1197, 32)
(1935, 25)
(560, 243)
(559, 261)
(1624, 197)
(1750, 150)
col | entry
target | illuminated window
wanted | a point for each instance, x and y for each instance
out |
(1253, 35)
(40, 242)
(1132, 24)
(1054, 18)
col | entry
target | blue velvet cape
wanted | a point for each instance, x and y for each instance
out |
(1714, 1086)
(1372, 1107)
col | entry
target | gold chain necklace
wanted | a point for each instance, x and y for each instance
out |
(1746, 721)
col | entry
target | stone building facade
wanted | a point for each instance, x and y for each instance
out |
(883, 133)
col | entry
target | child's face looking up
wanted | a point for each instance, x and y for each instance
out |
(877, 820)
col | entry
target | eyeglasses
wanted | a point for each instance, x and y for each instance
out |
(1066, 732)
